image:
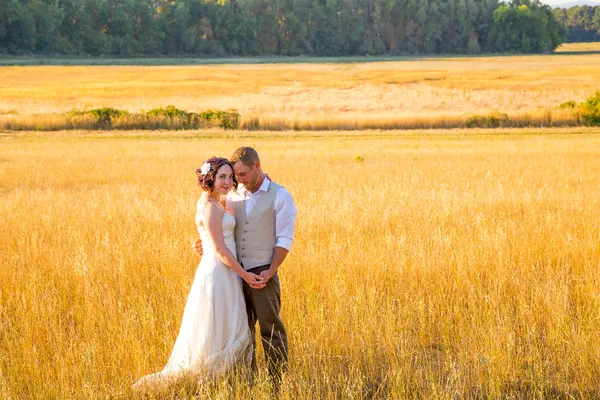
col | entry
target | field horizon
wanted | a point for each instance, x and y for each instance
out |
(31, 60)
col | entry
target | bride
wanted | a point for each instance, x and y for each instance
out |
(214, 334)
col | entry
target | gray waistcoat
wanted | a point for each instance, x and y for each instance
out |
(255, 237)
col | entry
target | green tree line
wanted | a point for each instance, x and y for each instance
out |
(582, 22)
(275, 27)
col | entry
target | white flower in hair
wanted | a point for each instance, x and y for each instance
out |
(205, 168)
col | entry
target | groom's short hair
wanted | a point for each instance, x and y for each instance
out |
(245, 155)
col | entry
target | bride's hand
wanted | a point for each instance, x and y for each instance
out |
(253, 280)
(198, 247)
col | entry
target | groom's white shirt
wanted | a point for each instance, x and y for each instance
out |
(285, 211)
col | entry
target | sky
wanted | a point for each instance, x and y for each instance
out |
(578, 2)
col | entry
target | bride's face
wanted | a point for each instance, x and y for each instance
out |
(224, 179)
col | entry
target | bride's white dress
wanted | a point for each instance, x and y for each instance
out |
(214, 334)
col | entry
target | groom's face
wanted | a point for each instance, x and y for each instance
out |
(246, 175)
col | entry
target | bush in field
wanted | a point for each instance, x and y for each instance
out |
(230, 119)
(475, 121)
(168, 112)
(104, 112)
(210, 115)
(169, 116)
(226, 119)
(172, 113)
(568, 105)
(103, 116)
(494, 120)
(590, 110)
(587, 112)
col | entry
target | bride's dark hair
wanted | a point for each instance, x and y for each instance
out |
(207, 181)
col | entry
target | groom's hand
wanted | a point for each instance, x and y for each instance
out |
(266, 275)
(255, 281)
(198, 247)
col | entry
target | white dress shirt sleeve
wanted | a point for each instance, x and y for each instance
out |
(285, 219)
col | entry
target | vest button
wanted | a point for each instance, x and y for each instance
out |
(243, 240)
(243, 248)
(245, 231)
(246, 223)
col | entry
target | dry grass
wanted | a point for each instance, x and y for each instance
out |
(442, 266)
(431, 91)
(356, 121)
(58, 122)
(579, 47)
(348, 121)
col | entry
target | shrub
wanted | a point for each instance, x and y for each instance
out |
(169, 112)
(590, 110)
(103, 116)
(587, 112)
(209, 115)
(494, 120)
(230, 119)
(169, 117)
(475, 121)
(568, 105)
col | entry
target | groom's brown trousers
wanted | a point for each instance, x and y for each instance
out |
(264, 305)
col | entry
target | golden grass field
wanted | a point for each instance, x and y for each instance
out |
(407, 93)
(446, 264)
(579, 47)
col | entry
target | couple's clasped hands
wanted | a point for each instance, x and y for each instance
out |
(253, 280)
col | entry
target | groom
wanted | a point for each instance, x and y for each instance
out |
(265, 216)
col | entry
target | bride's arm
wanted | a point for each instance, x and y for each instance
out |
(212, 221)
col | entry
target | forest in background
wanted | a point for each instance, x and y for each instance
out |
(582, 22)
(129, 28)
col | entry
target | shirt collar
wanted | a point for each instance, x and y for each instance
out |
(263, 188)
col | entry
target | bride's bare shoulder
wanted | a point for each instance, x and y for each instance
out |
(212, 206)
(207, 209)
(202, 201)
